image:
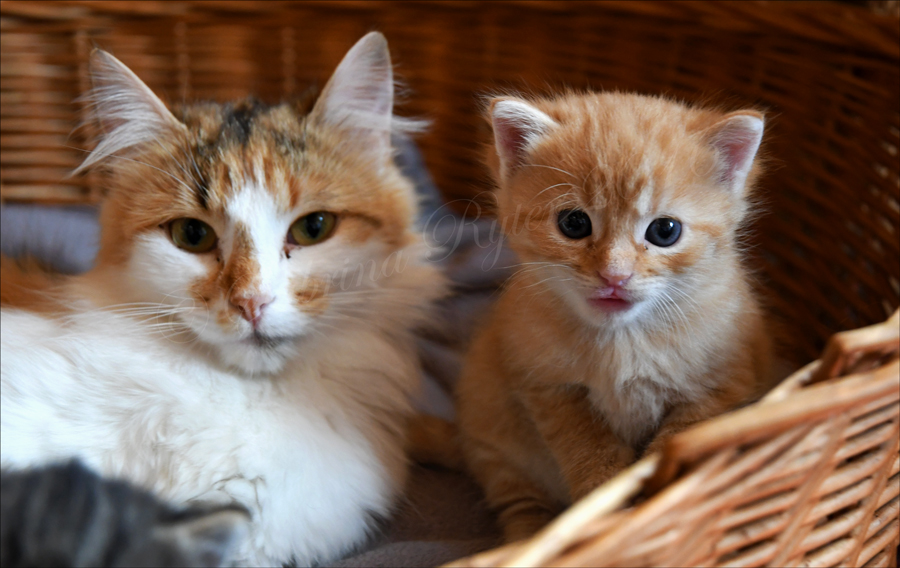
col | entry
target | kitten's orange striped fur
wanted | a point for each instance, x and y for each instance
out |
(605, 346)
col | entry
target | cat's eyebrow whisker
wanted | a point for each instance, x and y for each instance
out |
(549, 168)
(549, 188)
(185, 171)
(186, 186)
(565, 198)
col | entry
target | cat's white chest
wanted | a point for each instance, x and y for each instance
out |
(306, 454)
(632, 385)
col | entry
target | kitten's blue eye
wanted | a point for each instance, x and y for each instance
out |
(663, 232)
(574, 223)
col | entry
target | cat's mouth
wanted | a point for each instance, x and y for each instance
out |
(610, 299)
(263, 341)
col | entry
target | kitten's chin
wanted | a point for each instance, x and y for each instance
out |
(610, 305)
(254, 358)
(607, 312)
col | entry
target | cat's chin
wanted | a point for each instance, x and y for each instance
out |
(610, 312)
(610, 305)
(256, 356)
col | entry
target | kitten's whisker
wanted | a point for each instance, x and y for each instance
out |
(687, 297)
(687, 323)
(529, 269)
(557, 278)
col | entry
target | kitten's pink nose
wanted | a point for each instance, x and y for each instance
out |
(615, 278)
(251, 307)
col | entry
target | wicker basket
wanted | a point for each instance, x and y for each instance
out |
(807, 477)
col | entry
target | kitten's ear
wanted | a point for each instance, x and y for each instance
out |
(736, 139)
(127, 110)
(207, 540)
(359, 97)
(517, 125)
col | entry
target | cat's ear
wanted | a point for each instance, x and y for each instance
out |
(207, 540)
(127, 111)
(736, 140)
(359, 97)
(517, 125)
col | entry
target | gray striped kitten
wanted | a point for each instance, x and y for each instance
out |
(66, 515)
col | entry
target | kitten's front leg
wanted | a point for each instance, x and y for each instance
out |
(586, 449)
(684, 416)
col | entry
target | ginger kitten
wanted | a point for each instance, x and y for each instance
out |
(632, 316)
(247, 335)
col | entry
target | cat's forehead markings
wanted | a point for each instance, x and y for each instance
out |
(198, 175)
(237, 122)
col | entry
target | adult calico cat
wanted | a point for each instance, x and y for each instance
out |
(247, 333)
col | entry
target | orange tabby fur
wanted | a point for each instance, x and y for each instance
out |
(556, 398)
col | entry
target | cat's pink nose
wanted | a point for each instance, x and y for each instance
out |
(615, 278)
(251, 307)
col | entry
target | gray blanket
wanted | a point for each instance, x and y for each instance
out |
(442, 516)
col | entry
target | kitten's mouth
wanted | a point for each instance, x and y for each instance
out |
(610, 299)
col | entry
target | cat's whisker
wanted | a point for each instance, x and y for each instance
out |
(684, 319)
(551, 278)
(530, 269)
(564, 200)
(686, 297)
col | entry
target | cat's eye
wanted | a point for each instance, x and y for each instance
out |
(192, 235)
(663, 232)
(312, 229)
(574, 223)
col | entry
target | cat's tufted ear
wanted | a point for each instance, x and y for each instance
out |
(359, 97)
(128, 112)
(517, 125)
(736, 140)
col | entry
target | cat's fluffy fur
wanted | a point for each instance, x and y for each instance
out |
(145, 367)
(65, 515)
(558, 392)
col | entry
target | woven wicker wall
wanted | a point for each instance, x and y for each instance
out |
(826, 73)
